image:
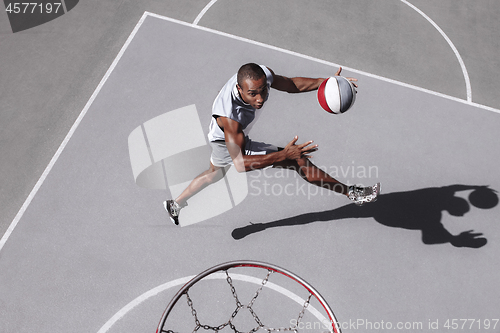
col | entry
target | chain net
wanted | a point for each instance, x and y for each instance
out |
(230, 324)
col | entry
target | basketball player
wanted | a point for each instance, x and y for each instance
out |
(234, 111)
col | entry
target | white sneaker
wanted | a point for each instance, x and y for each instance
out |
(173, 209)
(361, 195)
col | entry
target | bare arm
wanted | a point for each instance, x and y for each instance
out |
(300, 84)
(235, 142)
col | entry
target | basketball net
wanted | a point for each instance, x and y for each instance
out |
(292, 313)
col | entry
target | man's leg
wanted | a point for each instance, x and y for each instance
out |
(210, 176)
(314, 175)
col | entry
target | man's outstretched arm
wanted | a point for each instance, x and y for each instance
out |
(235, 142)
(300, 84)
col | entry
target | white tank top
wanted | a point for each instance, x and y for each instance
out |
(228, 103)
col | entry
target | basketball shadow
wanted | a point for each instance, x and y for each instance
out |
(413, 210)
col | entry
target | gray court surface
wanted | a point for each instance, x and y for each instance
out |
(93, 239)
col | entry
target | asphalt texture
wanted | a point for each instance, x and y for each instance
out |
(89, 240)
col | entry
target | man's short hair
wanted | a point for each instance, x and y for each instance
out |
(250, 71)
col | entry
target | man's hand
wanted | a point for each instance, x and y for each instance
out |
(294, 152)
(348, 78)
(469, 239)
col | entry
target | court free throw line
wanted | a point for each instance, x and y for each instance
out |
(42, 178)
(434, 24)
(328, 63)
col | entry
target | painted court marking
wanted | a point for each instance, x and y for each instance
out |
(54, 159)
(72, 130)
(450, 43)
(448, 40)
(118, 57)
(328, 63)
(203, 11)
(241, 277)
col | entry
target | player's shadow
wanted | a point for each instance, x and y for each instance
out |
(414, 210)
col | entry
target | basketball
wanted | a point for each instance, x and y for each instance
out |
(483, 197)
(336, 94)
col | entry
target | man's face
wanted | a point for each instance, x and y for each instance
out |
(254, 92)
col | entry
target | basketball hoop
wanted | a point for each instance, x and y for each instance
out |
(290, 309)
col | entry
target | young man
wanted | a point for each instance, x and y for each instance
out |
(234, 111)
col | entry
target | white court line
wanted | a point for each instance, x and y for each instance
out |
(72, 130)
(450, 43)
(182, 281)
(106, 76)
(123, 311)
(381, 78)
(448, 40)
(203, 11)
(87, 106)
(63, 3)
